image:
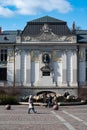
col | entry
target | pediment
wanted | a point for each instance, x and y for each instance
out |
(47, 35)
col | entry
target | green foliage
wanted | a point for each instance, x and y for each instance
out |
(6, 99)
(61, 99)
(74, 100)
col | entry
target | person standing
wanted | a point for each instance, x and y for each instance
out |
(49, 101)
(54, 100)
(31, 105)
(55, 103)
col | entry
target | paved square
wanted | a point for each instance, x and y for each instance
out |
(66, 118)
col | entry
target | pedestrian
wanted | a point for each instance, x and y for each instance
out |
(54, 100)
(49, 101)
(31, 105)
(55, 103)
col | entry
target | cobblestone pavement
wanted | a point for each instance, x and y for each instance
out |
(66, 118)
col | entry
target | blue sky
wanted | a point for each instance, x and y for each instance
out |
(14, 14)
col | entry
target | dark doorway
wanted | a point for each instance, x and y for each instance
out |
(3, 74)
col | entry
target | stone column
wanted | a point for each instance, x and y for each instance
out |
(57, 59)
(34, 67)
(28, 68)
(56, 72)
(17, 68)
(23, 68)
(82, 67)
(69, 54)
(74, 69)
(64, 69)
(10, 67)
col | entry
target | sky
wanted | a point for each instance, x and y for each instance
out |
(14, 14)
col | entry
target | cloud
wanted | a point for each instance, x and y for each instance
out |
(30, 7)
(5, 12)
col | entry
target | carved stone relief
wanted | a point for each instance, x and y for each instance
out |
(35, 56)
(10, 56)
(81, 55)
(57, 56)
(47, 35)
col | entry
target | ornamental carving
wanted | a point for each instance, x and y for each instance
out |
(26, 38)
(57, 56)
(50, 37)
(34, 55)
(47, 35)
(81, 55)
(46, 68)
(10, 56)
(46, 28)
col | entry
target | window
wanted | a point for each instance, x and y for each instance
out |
(3, 74)
(3, 55)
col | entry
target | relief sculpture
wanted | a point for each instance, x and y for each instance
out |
(47, 35)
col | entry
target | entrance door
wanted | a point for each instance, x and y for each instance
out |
(3, 74)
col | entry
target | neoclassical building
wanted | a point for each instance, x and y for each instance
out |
(45, 56)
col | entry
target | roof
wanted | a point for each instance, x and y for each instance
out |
(47, 19)
(34, 27)
(81, 36)
(10, 32)
(8, 36)
(81, 31)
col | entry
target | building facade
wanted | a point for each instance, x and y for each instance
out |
(45, 56)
